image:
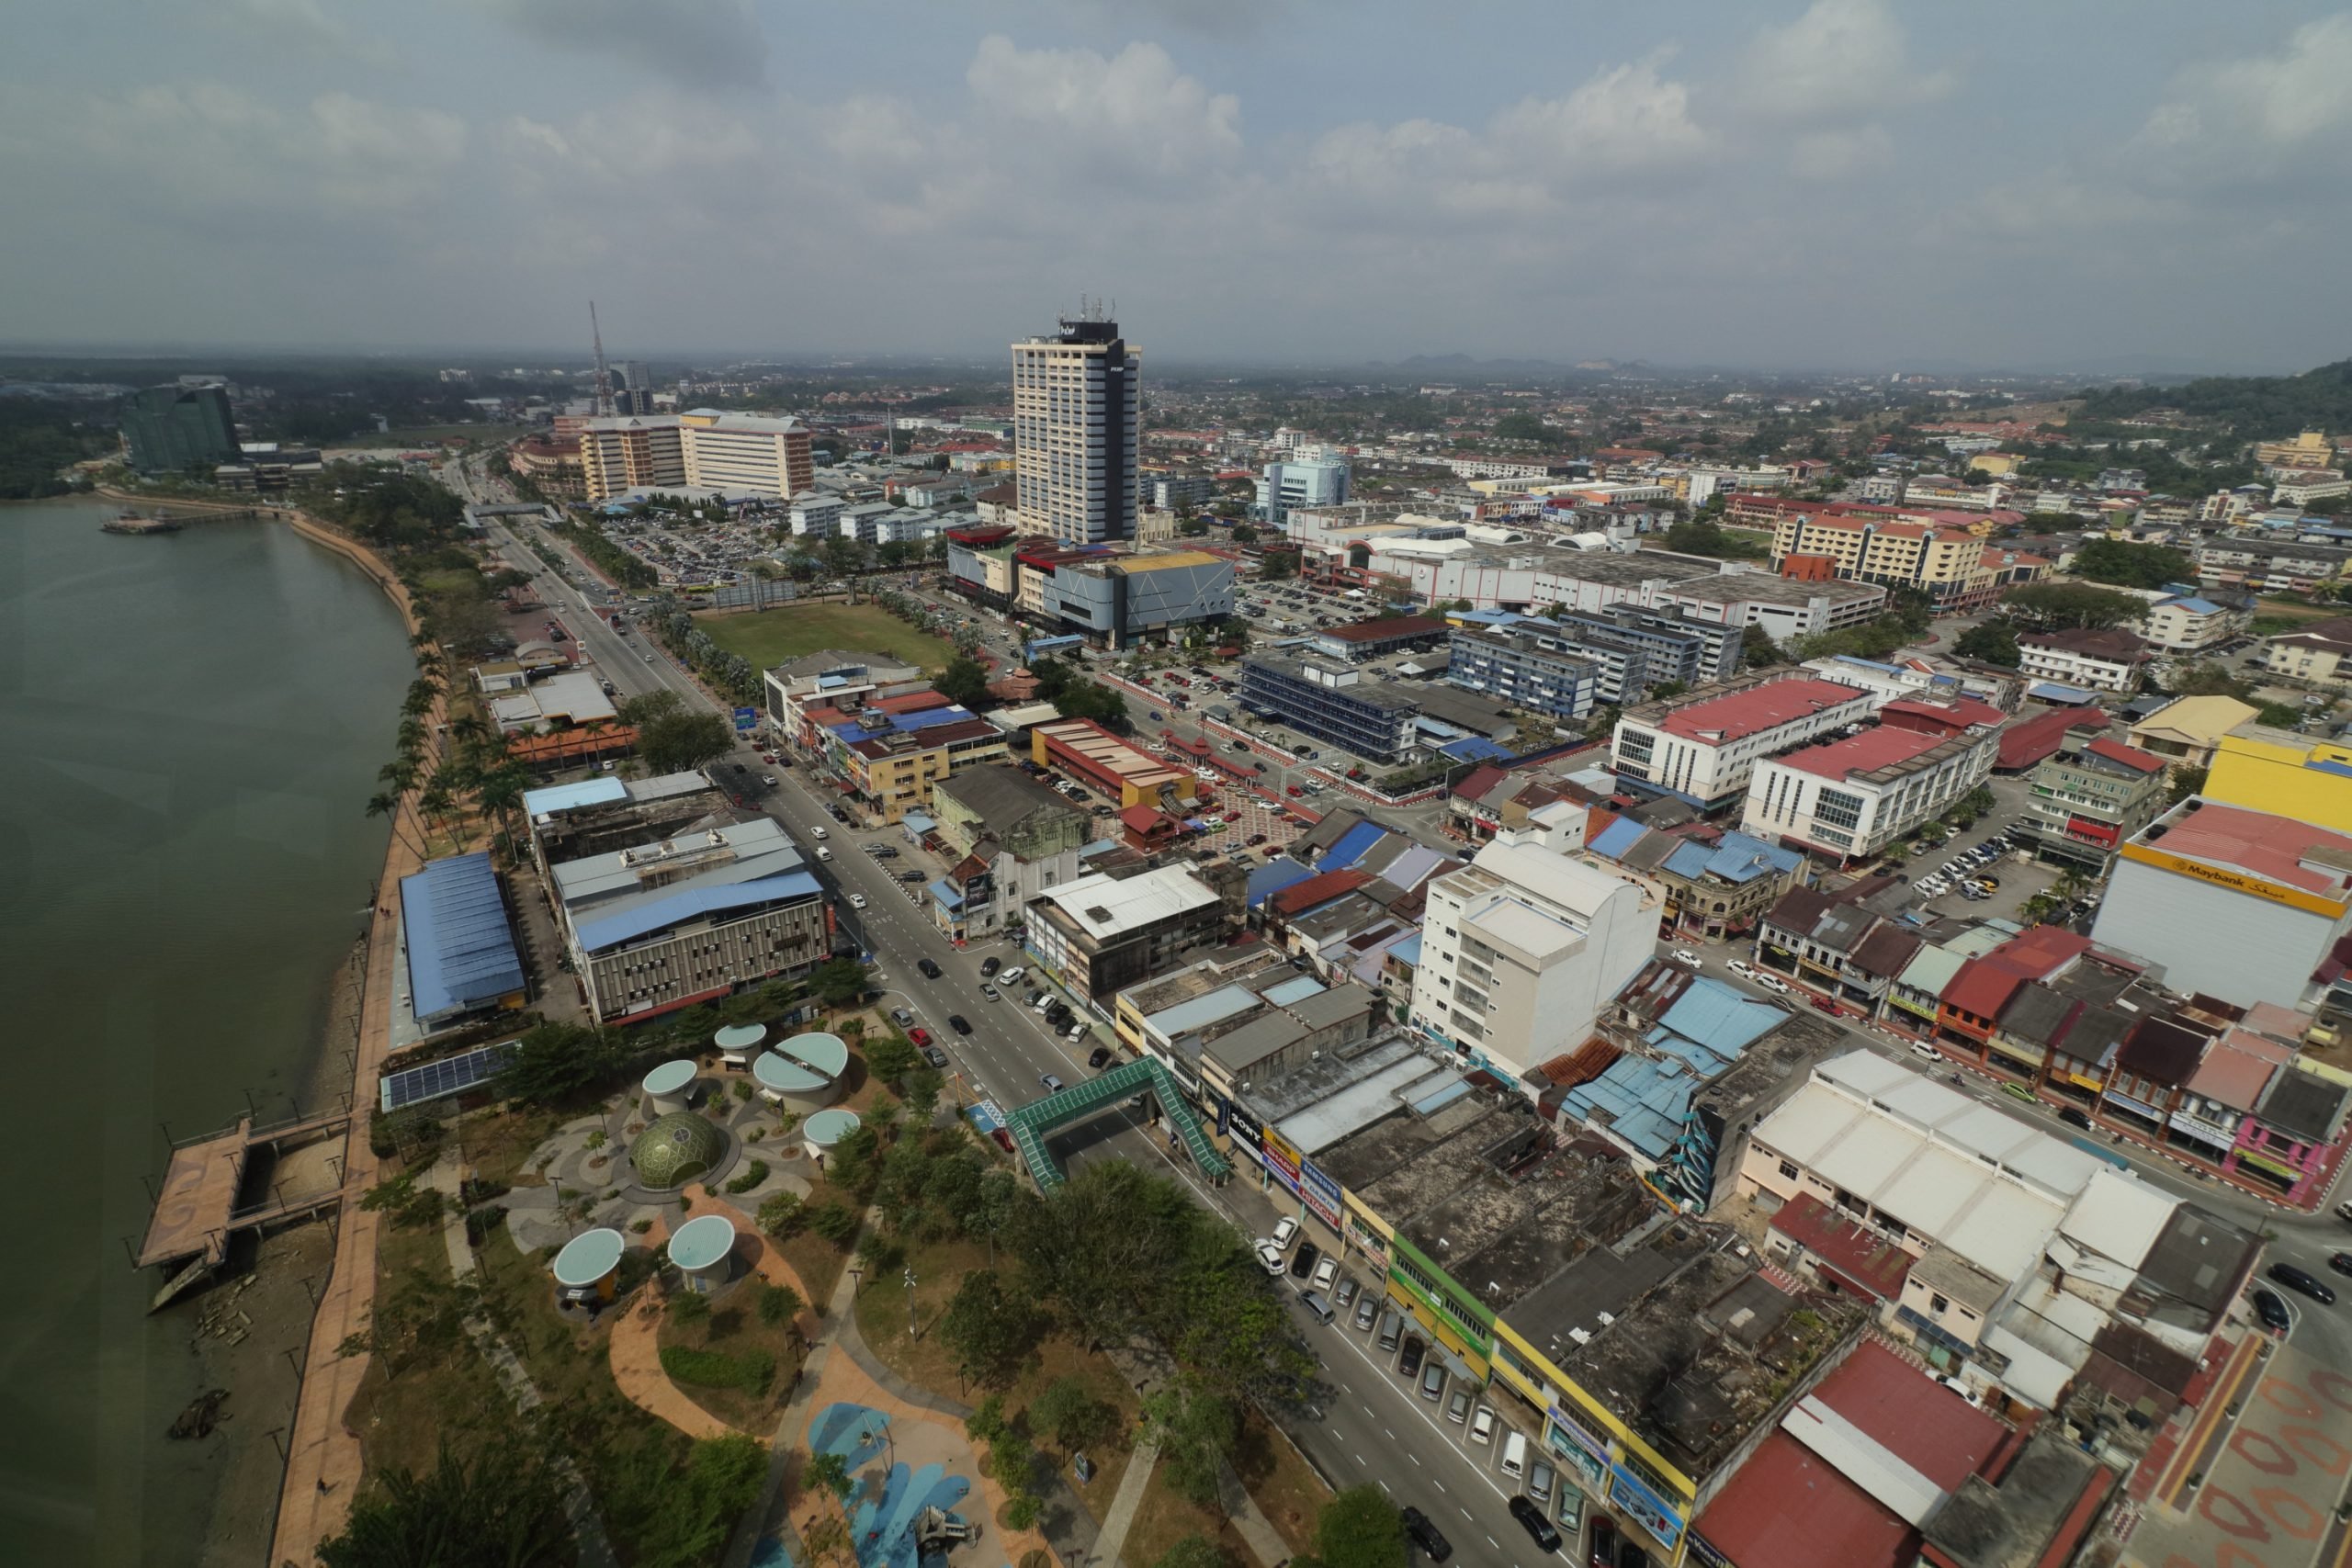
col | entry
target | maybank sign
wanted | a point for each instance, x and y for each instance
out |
(2236, 881)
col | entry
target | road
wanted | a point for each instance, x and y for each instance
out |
(1370, 1427)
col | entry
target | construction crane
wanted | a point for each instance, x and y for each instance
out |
(604, 375)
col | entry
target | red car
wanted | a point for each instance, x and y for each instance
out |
(1293, 791)
(919, 1036)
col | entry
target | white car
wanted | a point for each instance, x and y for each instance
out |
(1482, 1425)
(1742, 968)
(1774, 983)
(1326, 1272)
(858, 900)
(1685, 957)
(1012, 976)
(1271, 1255)
(818, 831)
(1285, 1231)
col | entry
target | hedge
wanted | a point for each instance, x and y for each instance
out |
(750, 1372)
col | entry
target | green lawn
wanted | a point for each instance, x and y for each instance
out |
(769, 637)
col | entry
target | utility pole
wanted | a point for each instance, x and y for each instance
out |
(604, 375)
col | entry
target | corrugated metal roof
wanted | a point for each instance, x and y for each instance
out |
(606, 790)
(460, 949)
(1299, 987)
(1353, 846)
(652, 914)
(1272, 877)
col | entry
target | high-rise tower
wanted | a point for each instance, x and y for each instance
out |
(1077, 415)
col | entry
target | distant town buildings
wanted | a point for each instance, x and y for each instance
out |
(171, 429)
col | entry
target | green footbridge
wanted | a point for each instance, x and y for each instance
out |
(1032, 1123)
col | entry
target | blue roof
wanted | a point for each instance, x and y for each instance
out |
(2197, 606)
(915, 822)
(1409, 951)
(1272, 877)
(1353, 846)
(1297, 989)
(929, 717)
(461, 950)
(1724, 1021)
(1743, 857)
(1643, 1102)
(1620, 836)
(688, 902)
(603, 790)
(2052, 692)
(1476, 749)
(1865, 663)
(1489, 617)
(944, 891)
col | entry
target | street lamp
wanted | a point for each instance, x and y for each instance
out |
(910, 1301)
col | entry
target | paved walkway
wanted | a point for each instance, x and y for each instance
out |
(1257, 1531)
(446, 1176)
(634, 1353)
(1124, 1507)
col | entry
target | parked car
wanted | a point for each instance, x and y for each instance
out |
(1457, 1407)
(1539, 1528)
(920, 1035)
(2295, 1280)
(1414, 1350)
(1326, 1272)
(1685, 957)
(991, 993)
(1012, 976)
(1271, 1255)
(2075, 1117)
(1742, 968)
(2271, 1311)
(901, 1017)
(1482, 1425)
(1097, 1057)
(935, 1056)
(1367, 1309)
(959, 1023)
(1302, 1262)
(1604, 1542)
(1285, 1231)
(1346, 1294)
(1432, 1380)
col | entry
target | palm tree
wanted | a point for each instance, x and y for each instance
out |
(389, 805)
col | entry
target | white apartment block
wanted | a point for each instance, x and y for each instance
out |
(1852, 797)
(1523, 949)
(816, 514)
(2097, 662)
(1705, 751)
(741, 452)
(1076, 415)
(639, 451)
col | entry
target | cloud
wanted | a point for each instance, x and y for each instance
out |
(1135, 105)
(1841, 60)
(1625, 123)
(696, 43)
(303, 23)
(2257, 118)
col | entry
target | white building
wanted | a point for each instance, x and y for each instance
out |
(641, 452)
(1076, 415)
(1520, 952)
(1705, 750)
(746, 454)
(2241, 905)
(2097, 662)
(1854, 797)
(1300, 482)
(816, 514)
(2185, 624)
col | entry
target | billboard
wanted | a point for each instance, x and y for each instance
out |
(746, 718)
(1281, 1158)
(1322, 1194)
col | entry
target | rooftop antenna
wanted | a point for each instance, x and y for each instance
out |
(604, 375)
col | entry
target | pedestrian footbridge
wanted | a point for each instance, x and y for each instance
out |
(1032, 1123)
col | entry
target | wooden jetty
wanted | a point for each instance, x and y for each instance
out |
(197, 1209)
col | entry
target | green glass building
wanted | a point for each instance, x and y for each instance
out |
(171, 429)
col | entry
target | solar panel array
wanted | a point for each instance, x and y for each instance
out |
(451, 1075)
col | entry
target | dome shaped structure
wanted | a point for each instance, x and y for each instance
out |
(675, 1149)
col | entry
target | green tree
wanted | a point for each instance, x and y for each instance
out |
(2215, 681)
(1194, 1551)
(1067, 1412)
(688, 1308)
(2283, 715)
(1525, 425)
(992, 1330)
(839, 983)
(965, 680)
(834, 1220)
(2130, 565)
(1196, 1433)
(2068, 607)
(782, 1214)
(1992, 641)
(501, 1508)
(1243, 534)
(1706, 539)
(1758, 649)
(1360, 1528)
(558, 1064)
(1277, 564)
(1192, 527)
(890, 1057)
(2186, 782)
(779, 1305)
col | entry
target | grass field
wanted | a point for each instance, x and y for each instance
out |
(769, 637)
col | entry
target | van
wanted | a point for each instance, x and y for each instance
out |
(1391, 1329)
(1313, 1302)
(1515, 1455)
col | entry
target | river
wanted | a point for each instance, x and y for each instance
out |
(190, 727)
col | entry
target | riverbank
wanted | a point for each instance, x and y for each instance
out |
(319, 1282)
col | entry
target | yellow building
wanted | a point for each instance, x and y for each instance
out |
(895, 772)
(2266, 769)
(2312, 449)
(1948, 563)
(2185, 732)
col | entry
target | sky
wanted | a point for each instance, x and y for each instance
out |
(1845, 183)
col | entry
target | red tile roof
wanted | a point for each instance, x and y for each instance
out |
(1320, 889)
(1859, 1255)
(2130, 756)
(2030, 741)
(1960, 714)
(1983, 986)
(1879, 748)
(1721, 720)
(911, 702)
(2040, 952)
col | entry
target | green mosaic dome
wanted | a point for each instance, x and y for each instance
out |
(675, 1149)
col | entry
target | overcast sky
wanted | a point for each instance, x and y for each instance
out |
(1851, 183)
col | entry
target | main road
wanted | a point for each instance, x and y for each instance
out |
(1363, 1424)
